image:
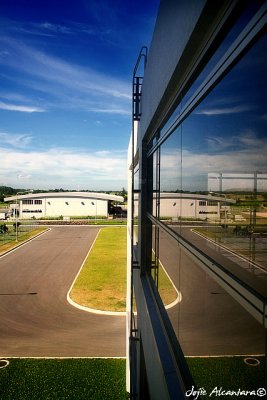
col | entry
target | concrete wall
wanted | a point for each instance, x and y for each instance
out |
(185, 208)
(65, 206)
(175, 23)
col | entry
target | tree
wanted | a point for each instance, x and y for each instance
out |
(124, 194)
(3, 228)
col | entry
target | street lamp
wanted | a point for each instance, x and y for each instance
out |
(16, 215)
(95, 204)
(18, 207)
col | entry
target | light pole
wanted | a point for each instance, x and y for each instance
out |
(18, 207)
(16, 215)
(95, 204)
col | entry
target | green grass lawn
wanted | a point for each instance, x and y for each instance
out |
(166, 290)
(102, 281)
(63, 379)
(8, 241)
(230, 373)
(107, 222)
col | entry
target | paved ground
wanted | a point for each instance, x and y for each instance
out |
(44, 323)
(208, 321)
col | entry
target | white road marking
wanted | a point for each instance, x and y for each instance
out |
(23, 243)
(229, 251)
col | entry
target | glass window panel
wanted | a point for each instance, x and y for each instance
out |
(250, 8)
(136, 204)
(224, 156)
(136, 178)
(171, 120)
(215, 332)
(155, 182)
(155, 253)
(135, 215)
(171, 179)
(213, 171)
(169, 265)
(210, 177)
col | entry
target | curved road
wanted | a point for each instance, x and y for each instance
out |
(36, 319)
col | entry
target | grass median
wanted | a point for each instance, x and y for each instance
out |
(101, 283)
(8, 241)
(166, 289)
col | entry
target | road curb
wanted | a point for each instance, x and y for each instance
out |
(255, 264)
(88, 309)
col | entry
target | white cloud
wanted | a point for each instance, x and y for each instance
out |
(24, 177)
(111, 110)
(15, 140)
(224, 110)
(238, 142)
(62, 167)
(13, 96)
(195, 167)
(20, 108)
(63, 84)
(98, 123)
(58, 72)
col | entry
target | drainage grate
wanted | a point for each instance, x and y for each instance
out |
(253, 362)
(4, 363)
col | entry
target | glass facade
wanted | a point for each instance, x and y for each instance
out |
(208, 214)
(136, 203)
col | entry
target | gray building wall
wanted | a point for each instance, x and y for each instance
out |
(181, 36)
(175, 23)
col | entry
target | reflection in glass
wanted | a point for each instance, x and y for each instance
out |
(249, 10)
(227, 131)
(170, 164)
(155, 191)
(136, 211)
(224, 155)
(210, 191)
(171, 120)
(136, 204)
(170, 178)
(208, 321)
(136, 178)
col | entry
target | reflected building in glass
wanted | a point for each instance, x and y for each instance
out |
(197, 297)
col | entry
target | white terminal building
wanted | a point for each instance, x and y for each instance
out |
(190, 205)
(64, 204)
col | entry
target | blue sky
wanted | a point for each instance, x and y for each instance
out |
(65, 90)
(226, 133)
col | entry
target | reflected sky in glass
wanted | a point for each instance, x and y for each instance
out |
(227, 131)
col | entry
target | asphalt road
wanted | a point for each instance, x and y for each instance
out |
(36, 319)
(208, 321)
